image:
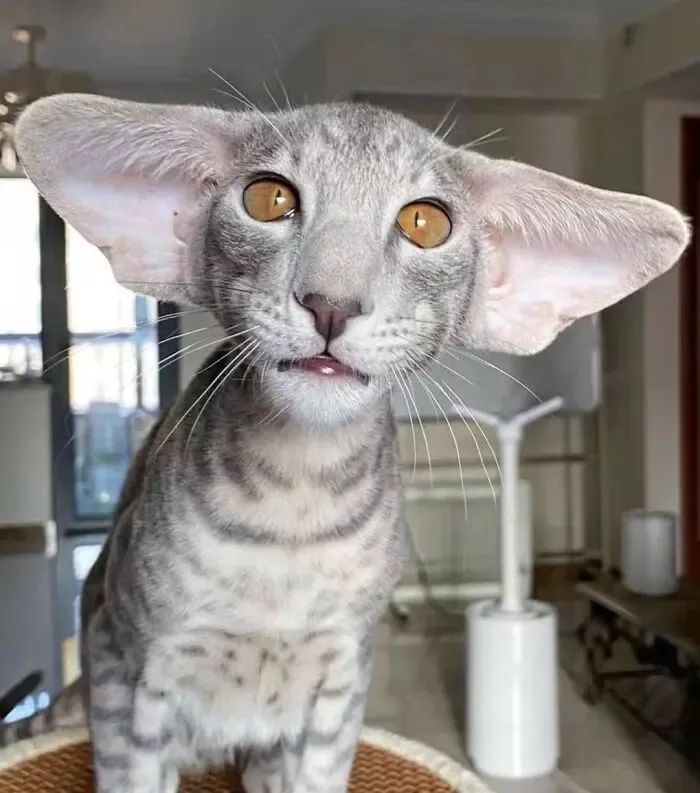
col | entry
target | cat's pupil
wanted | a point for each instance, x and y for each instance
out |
(419, 221)
(279, 198)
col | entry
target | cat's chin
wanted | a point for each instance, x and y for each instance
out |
(310, 398)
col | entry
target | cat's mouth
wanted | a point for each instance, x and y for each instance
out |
(324, 365)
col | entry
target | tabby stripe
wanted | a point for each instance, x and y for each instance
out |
(106, 714)
(245, 533)
(111, 762)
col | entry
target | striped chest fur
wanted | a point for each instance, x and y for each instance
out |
(264, 527)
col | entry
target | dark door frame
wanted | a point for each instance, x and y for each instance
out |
(689, 296)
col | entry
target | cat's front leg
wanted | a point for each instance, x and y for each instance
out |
(128, 722)
(318, 761)
(265, 770)
(321, 759)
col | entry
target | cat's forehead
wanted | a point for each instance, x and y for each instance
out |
(356, 142)
(358, 126)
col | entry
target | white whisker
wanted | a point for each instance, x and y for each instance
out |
(412, 395)
(197, 347)
(273, 416)
(462, 404)
(456, 352)
(397, 375)
(216, 379)
(272, 98)
(490, 365)
(476, 443)
(62, 356)
(448, 131)
(250, 104)
(488, 136)
(238, 361)
(454, 372)
(278, 58)
(443, 120)
(454, 439)
(251, 365)
(284, 90)
(466, 424)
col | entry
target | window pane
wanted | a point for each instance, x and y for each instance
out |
(20, 306)
(113, 374)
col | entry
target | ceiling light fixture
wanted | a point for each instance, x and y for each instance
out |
(28, 82)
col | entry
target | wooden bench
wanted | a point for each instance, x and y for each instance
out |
(645, 652)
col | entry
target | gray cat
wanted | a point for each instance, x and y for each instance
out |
(259, 533)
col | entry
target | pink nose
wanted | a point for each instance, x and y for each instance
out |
(330, 316)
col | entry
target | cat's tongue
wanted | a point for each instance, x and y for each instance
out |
(323, 366)
(326, 366)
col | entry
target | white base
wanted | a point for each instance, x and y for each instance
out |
(512, 698)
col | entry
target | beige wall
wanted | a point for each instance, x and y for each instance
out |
(351, 60)
(662, 431)
(612, 146)
(25, 453)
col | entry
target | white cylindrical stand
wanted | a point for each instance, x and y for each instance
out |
(512, 699)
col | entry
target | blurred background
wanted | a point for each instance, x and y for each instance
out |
(606, 91)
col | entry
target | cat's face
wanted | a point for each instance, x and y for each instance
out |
(343, 243)
(363, 271)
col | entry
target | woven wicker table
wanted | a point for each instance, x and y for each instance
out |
(385, 763)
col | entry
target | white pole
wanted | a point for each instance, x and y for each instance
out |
(539, 411)
(509, 436)
(511, 593)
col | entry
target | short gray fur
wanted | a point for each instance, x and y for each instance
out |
(260, 530)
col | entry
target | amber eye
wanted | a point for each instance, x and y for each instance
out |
(425, 224)
(269, 199)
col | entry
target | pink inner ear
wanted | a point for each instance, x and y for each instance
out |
(496, 256)
(498, 282)
(143, 227)
(534, 292)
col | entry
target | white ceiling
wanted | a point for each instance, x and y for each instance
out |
(175, 41)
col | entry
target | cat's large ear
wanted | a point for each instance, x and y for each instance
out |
(131, 178)
(555, 250)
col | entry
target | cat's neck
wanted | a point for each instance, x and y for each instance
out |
(294, 446)
(239, 419)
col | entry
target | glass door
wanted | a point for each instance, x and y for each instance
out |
(113, 386)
